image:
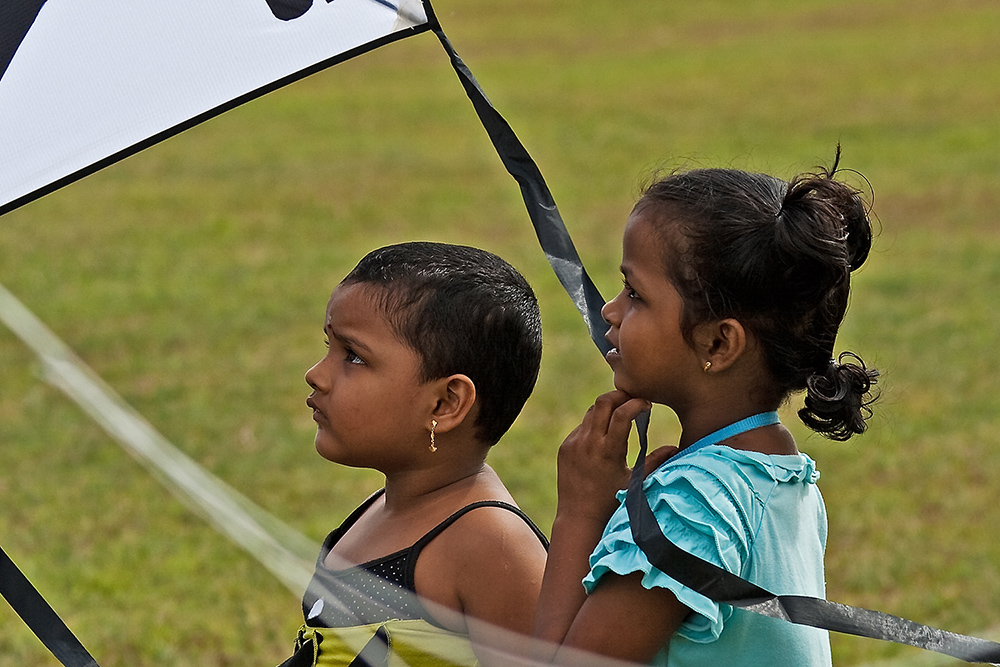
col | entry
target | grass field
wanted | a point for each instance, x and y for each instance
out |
(193, 278)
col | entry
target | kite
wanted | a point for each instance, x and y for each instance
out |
(84, 85)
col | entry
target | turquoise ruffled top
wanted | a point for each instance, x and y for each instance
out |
(759, 516)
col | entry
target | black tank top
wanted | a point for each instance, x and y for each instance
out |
(382, 589)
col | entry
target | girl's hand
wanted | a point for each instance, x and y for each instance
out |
(592, 465)
(592, 469)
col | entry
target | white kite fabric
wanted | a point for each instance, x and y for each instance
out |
(84, 84)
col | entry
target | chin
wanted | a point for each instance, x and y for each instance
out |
(335, 453)
(633, 391)
(622, 384)
(327, 450)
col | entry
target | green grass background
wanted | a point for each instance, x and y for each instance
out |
(193, 278)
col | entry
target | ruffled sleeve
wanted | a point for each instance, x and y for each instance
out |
(705, 512)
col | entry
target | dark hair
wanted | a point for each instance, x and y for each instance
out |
(463, 310)
(778, 257)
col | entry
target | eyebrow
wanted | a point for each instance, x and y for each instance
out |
(345, 340)
(626, 275)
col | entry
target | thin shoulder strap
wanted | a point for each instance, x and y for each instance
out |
(352, 518)
(414, 552)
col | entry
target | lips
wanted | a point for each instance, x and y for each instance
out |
(613, 355)
(317, 413)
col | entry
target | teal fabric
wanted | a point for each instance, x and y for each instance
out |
(761, 517)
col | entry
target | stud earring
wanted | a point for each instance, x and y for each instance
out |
(434, 424)
(707, 366)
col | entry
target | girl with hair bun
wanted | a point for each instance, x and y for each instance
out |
(735, 285)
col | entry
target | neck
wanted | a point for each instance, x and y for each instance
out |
(719, 399)
(404, 489)
(772, 439)
(713, 415)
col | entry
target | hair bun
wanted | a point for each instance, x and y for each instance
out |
(858, 231)
(826, 210)
(854, 213)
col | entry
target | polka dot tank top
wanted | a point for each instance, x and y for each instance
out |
(381, 589)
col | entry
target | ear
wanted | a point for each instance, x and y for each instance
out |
(455, 395)
(721, 342)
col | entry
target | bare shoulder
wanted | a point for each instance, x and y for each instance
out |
(487, 564)
(490, 527)
(487, 535)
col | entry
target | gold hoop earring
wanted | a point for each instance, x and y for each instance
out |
(434, 424)
(708, 365)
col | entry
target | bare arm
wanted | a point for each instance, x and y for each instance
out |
(488, 566)
(623, 620)
(620, 618)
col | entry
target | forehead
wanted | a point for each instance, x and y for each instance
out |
(355, 319)
(643, 245)
(347, 298)
(354, 305)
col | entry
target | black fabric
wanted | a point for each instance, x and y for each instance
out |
(16, 18)
(304, 655)
(286, 10)
(383, 588)
(375, 652)
(40, 617)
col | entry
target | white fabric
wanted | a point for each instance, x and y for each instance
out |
(95, 77)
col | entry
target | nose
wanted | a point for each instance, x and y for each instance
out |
(312, 375)
(610, 312)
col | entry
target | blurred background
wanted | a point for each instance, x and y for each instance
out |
(193, 278)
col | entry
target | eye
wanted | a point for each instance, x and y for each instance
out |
(352, 358)
(632, 294)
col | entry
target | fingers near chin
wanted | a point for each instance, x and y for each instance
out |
(623, 416)
(635, 407)
(608, 403)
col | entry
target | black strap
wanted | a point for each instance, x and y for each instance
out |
(549, 227)
(440, 528)
(338, 532)
(414, 551)
(704, 577)
(418, 546)
(40, 617)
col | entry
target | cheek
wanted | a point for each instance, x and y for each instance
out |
(632, 332)
(642, 349)
(344, 403)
